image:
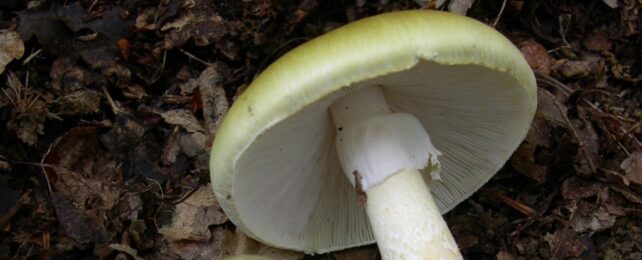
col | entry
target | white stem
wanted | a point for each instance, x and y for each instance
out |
(381, 153)
(406, 221)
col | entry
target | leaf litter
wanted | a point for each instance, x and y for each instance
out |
(109, 111)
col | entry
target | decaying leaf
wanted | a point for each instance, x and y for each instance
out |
(125, 135)
(29, 112)
(199, 22)
(193, 217)
(84, 180)
(80, 102)
(74, 222)
(11, 47)
(564, 243)
(589, 217)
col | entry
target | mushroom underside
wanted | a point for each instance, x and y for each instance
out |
(289, 187)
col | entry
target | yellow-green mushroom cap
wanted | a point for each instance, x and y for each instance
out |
(274, 165)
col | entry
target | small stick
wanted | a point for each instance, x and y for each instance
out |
(113, 105)
(499, 15)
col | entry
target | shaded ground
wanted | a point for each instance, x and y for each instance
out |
(108, 110)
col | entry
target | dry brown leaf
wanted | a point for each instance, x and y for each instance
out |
(193, 217)
(632, 167)
(537, 56)
(187, 249)
(183, 118)
(11, 47)
(215, 103)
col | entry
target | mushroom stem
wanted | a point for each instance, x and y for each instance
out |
(381, 153)
(406, 221)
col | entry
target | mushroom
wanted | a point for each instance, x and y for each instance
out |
(372, 131)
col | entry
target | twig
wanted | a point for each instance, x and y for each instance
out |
(31, 57)
(524, 209)
(113, 105)
(499, 15)
(42, 167)
(195, 58)
(91, 7)
(164, 60)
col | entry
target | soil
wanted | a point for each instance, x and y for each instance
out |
(108, 110)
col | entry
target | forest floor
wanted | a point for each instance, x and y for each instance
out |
(105, 130)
